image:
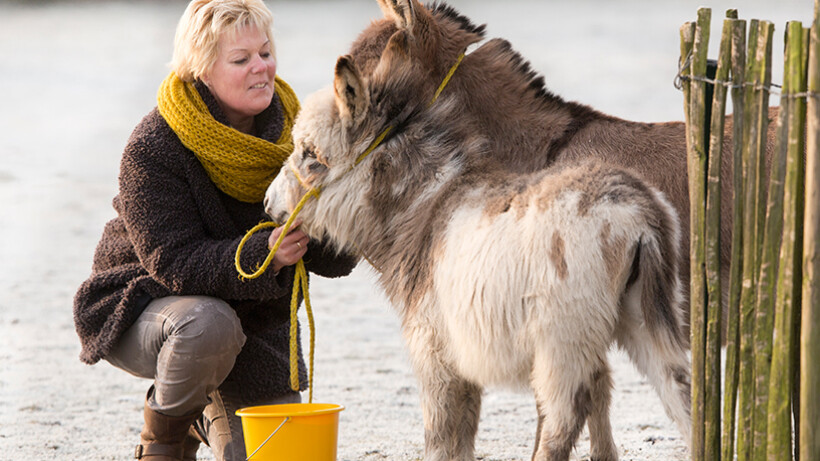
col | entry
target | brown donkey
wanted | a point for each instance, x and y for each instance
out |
(526, 127)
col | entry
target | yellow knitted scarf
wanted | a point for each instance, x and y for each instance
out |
(239, 164)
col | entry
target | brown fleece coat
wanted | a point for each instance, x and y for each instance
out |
(176, 233)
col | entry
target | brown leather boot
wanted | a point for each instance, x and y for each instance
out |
(190, 447)
(163, 437)
(191, 443)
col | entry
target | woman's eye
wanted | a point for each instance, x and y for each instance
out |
(241, 61)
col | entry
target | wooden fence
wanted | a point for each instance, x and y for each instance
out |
(769, 408)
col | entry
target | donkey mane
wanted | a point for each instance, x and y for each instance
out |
(533, 83)
(536, 83)
(523, 67)
(445, 11)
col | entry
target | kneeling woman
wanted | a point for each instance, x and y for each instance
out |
(164, 301)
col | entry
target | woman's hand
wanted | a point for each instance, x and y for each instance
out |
(293, 246)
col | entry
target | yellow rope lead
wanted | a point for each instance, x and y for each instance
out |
(311, 327)
(261, 270)
(372, 146)
(446, 79)
(300, 282)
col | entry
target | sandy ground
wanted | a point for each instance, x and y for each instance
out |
(74, 80)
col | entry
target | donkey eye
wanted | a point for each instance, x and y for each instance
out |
(309, 152)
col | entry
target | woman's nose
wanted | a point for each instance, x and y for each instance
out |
(258, 64)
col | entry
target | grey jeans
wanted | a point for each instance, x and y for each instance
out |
(188, 345)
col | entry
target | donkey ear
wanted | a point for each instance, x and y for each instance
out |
(397, 46)
(351, 94)
(402, 12)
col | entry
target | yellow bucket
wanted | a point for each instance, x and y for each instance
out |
(291, 431)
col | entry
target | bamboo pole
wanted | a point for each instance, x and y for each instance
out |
(809, 442)
(779, 442)
(733, 309)
(714, 309)
(697, 163)
(745, 399)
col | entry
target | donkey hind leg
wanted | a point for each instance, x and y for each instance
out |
(662, 360)
(451, 408)
(602, 447)
(564, 383)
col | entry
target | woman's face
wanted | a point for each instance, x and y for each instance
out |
(242, 77)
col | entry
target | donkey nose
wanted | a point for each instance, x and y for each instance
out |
(265, 203)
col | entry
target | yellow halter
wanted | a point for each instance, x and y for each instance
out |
(300, 278)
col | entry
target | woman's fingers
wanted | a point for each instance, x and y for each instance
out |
(293, 246)
(293, 233)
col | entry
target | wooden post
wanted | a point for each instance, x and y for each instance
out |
(745, 399)
(687, 38)
(769, 261)
(714, 310)
(762, 352)
(697, 161)
(779, 443)
(810, 319)
(733, 309)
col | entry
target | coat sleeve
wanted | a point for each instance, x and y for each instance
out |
(323, 259)
(170, 235)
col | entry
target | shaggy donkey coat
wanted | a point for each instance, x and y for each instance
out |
(500, 278)
(526, 127)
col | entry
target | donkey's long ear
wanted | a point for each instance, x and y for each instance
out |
(351, 95)
(402, 12)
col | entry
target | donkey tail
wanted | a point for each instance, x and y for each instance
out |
(660, 297)
(653, 333)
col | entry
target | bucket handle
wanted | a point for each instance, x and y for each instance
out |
(287, 418)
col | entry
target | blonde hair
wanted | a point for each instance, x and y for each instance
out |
(201, 25)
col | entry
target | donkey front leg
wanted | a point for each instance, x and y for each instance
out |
(451, 413)
(450, 404)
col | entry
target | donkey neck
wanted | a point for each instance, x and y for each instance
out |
(510, 104)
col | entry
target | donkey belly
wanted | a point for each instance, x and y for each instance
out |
(506, 295)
